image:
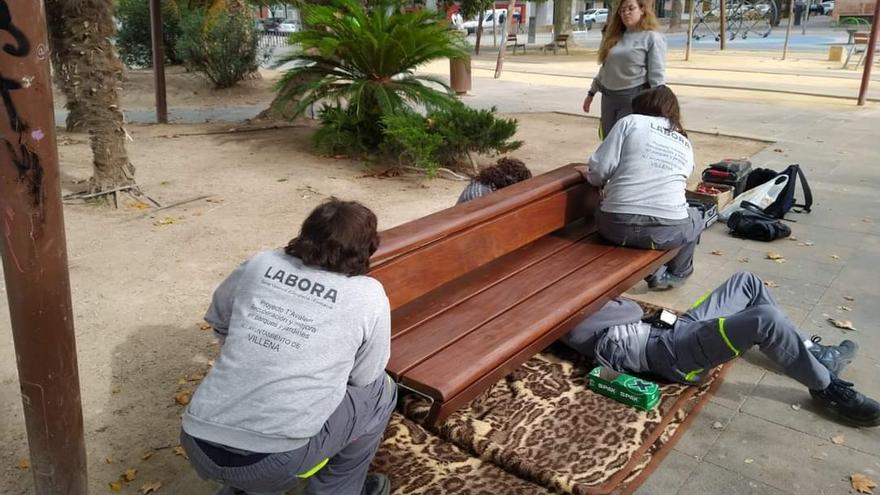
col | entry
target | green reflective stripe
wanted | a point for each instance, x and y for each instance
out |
(314, 470)
(724, 336)
(702, 299)
(693, 375)
(601, 134)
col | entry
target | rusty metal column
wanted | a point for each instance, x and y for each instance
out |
(869, 56)
(158, 60)
(34, 254)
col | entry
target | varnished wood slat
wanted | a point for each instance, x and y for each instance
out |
(432, 337)
(482, 355)
(451, 294)
(413, 235)
(417, 273)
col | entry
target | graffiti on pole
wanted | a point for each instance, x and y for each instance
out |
(26, 161)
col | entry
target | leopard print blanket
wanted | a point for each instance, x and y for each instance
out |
(543, 426)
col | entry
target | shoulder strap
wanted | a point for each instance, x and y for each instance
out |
(808, 194)
(753, 208)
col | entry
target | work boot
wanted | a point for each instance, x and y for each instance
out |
(850, 405)
(664, 281)
(833, 357)
(377, 484)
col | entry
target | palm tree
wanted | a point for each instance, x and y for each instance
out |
(366, 58)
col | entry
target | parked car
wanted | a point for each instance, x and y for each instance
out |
(577, 18)
(599, 16)
(488, 20)
(288, 27)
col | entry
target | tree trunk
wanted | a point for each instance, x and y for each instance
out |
(59, 52)
(511, 6)
(562, 19)
(675, 16)
(479, 32)
(91, 76)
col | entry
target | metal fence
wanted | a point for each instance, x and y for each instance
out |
(272, 39)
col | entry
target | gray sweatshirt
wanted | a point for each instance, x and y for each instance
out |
(614, 335)
(638, 58)
(294, 338)
(643, 168)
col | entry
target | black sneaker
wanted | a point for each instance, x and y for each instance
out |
(834, 357)
(850, 405)
(377, 484)
(665, 281)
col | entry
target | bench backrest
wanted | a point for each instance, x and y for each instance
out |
(419, 256)
(861, 38)
(561, 38)
(511, 37)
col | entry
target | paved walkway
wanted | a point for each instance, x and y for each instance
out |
(761, 434)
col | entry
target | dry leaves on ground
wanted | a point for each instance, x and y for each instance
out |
(796, 407)
(849, 298)
(147, 455)
(835, 257)
(743, 259)
(165, 221)
(129, 474)
(183, 397)
(771, 284)
(838, 440)
(150, 487)
(179, 451)
(773, 255)
(844, 308)
(205, 326)
(842, 324)
(23, 463)
(115, 486)
(717, 252)
(862, 483)
(717, 425)
(807, 243)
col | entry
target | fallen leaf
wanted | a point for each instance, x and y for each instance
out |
(717, 425)
(281, 180)
(796, 407)
(195, 377)
(181, 381)
(116, 486)
(749, 461)
(771, 284)
(807, 244)
(108, 460)
(743, 259)
(844, 308)
(147, 455)
(838, 440)
(842, 324)
(205, 326)
(24, 463)
(835, 257)
(862, 483)
(717, 252)
(849, 298)
(115, 390)
(821, 456)
(129, 474)
(210, 363)
(183, 397)
(165, 221)
(778, 150)
(792, 238)
(773, 255)
(179, 451)
(150, 487)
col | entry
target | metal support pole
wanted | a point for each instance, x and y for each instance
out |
(869, 56)
(723, 28)
(158, 60)
(34, 254)
(690, 33)
(788, 28)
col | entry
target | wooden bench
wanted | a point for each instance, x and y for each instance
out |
(512, 40)
(479, 288)
(859, 45)
(560, 41)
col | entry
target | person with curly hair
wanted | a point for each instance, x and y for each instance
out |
(505, 172)
(299, 390)
(633, 58)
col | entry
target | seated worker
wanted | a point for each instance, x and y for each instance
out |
(722, 325)
(506, 172)
(299, 390)
(643, 166)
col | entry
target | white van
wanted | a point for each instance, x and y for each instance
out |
(489, 17)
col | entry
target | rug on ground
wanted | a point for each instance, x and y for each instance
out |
(538, 429)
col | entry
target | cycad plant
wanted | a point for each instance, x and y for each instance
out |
(363, 60)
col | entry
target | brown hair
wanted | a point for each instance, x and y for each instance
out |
(337, 236)
(614, 29)
(660, 102)
(505, 172)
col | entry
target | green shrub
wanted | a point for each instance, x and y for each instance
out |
(343, 131)
(447, 137)
(222, 46)
(133, 37)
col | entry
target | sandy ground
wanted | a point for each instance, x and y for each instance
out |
(141, 280)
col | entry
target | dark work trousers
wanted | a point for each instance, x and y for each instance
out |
(634, 231)
(725, 323)
(335, 460)
(617, 105)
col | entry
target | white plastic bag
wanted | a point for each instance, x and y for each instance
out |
(761, 195)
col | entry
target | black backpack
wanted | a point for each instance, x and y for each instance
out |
(786, 200)
(752, 223)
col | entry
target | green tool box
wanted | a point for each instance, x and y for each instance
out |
(627, 389)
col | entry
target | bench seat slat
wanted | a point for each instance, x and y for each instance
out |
(436, 334)
(449, 295)
(488, 353)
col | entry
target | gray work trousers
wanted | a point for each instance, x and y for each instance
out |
(725, 323)
(623, 231)
(617, 105)
(348, 441)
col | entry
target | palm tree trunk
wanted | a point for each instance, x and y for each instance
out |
(59, 52)
(91, 75)
(675, 16)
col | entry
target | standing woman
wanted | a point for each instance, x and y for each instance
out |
(633, 58)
